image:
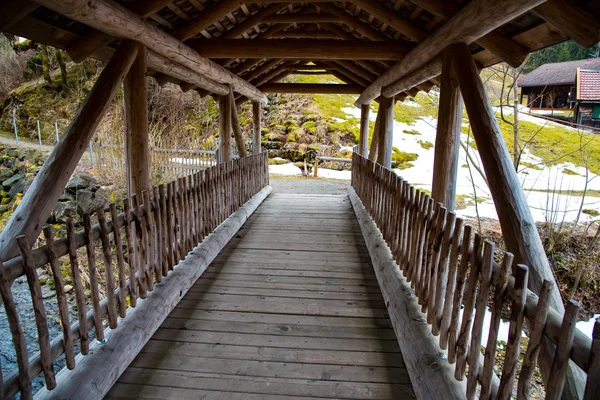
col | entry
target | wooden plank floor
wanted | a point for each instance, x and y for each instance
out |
(290, 309)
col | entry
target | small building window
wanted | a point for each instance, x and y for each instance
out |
(596, 112)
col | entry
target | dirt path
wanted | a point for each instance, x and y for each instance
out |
(24, 143)
(300, 185)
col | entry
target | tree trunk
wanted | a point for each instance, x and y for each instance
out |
(516, 147)
(45, 59)
(63, 69)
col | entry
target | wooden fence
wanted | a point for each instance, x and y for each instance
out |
(448, 267)
(170, 163)
(140, 245)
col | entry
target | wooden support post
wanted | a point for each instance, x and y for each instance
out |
(137, 149)
(447, 140)
(224, 129)
(518, 227)
(37, 203)
(256, 116)
(364, 129)
(376, 135)
(386, 130)
(235, 124)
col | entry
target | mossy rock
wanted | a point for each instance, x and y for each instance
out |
(411, 132)
(402, 160)
(292, 155)
(591, 213)
(309, 126)
(425, 144)
(277, 161)
(5, 173)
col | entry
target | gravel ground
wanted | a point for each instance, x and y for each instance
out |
(301, 185)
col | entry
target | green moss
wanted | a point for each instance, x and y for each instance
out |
(593, 213)
(273, 161)
(309, 126)
(568, 171)
(411, 132)
(465, 166)
(525, 164)
(402, 160)
(425, 107)
(555, 144)
(463, 201)
(425, 144)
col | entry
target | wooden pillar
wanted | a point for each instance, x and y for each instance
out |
(235, 124)
(39, 201)
(256, 126)
(224, 129)
(375, 138)
(518, 227)
(137, 149)
(364, 129)
(386, 129)
(447, 140)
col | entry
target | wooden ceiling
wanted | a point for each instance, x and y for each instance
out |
(355, 40)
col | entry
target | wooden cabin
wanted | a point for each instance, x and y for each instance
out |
(205, 296)
(566, 86)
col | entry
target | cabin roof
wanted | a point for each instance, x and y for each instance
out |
(588, 85)
(387, 28)
(562, 73)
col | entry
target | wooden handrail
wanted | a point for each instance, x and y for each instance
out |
(159, 231)
(444, 264)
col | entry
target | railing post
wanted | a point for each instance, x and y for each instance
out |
(518, 226)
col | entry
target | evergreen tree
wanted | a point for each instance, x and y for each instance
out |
(565, 51)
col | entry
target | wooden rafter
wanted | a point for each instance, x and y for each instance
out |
(474, 21)
(305, 49)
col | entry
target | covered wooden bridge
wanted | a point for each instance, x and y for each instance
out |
(216, 288)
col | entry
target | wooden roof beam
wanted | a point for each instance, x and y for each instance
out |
(300, 49)
(389, 17)
(252, 21)
(306, 35)
(320, 88)
(261, 69)
(357, 69)
(505, 48)
(291, 18)
(356, 78)
(246, 65)
(363, 28)
(84, 47)
(431, 70)
(476, 19)
(341, 33)
(578, 24)
(371, 66)
(118, 21)
(208, 17)
(172, 72)
(12, 11)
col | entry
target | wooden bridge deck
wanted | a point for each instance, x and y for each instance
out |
(290, 309)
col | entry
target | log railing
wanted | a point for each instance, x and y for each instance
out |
(449, 267)
(151, 237)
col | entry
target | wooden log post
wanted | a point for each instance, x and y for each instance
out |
(38, 202)
(447, 140)
(375, 139)
(386, 129)
(235, 124)
(363, 145)
(224, 129)
(256, 126)
(518, 227)
(137, 149)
